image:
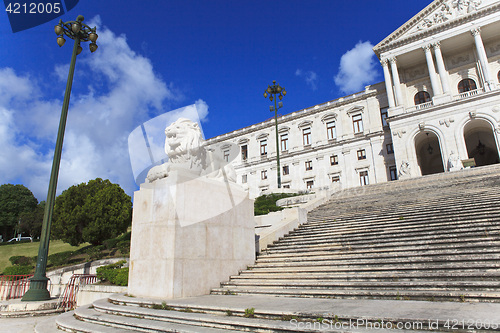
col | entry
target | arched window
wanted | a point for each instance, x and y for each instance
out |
(422, 97)
(498, 76)
(466, 85)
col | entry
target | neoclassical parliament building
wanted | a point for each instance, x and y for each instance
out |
(438, 110)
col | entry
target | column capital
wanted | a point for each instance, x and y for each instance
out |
(436, 45)
(384, 62)
(392, 60)
(476, 31)
(426, 48)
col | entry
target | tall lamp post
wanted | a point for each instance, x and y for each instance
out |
(80, 33)
(272, 91)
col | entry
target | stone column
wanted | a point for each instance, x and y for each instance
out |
(441, 70)
(397, 84)
(432, 70)
(483, 60)
(388, 83)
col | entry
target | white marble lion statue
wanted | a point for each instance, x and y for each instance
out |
(186, 150)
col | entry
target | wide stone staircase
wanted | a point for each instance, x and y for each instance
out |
(433, 238)
(395, 253)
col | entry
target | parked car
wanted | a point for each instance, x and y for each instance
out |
(20, 239)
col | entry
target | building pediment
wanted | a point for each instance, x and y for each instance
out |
(305, 123)
(355, 109)
(438, 15)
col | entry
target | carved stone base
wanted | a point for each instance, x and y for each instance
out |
(189, 234)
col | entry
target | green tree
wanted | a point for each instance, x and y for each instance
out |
(31, 222)
(14, 200)
(91, 213)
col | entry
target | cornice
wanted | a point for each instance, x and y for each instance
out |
(391, 41)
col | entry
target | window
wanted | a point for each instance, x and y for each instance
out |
(335, 179)
(330, 130)
(263, 174)
(244, 152)
(263, 147)
(306, 135)
(466, 85)
(393, 173)
(284, 142)
(357, 123)
(498, 76)
(309, 165)
(244, 179)
(334, 160)
(384, 114)
(310, 184)
(226, 155)
(363, 178)
(422, 97)
(390, 148)
(361, 154)
(286, 186)
(286, 170)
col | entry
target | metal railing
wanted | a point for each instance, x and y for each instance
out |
(14, 286)
(67, 300)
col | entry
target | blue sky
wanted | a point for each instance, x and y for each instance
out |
(157, 56)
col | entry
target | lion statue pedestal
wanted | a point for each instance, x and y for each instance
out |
(190, 232)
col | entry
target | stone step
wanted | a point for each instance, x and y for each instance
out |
(185, 320)
(469, 275)
(370, 250)
(69, 323)
(400, 217)
(151, 320)
(368, 285)
(408, 268)
(413, 260)
(387, 245)
(488, 226)
(403, 294)
(340, 256)
(347, 217)
(382, 246)
(428, 192)
(413, 198)
(469, 176)
(289, 310)
(378, 241)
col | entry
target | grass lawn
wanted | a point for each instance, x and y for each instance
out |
(31, 250)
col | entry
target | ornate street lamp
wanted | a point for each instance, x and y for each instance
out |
(272, 91)
(80, 33)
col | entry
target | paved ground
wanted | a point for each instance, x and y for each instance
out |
(22, 324)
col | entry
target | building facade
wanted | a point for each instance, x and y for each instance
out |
(439, 106)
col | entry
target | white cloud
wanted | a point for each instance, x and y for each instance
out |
(357, 68)
(310, 77)
(122, 91)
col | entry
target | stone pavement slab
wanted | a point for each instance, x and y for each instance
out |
(22, 324)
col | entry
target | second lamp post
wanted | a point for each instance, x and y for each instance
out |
(272, 91)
